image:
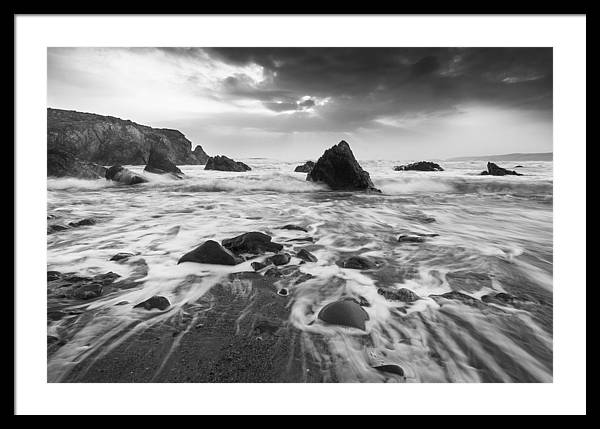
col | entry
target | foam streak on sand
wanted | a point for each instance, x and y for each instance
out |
(482, 235)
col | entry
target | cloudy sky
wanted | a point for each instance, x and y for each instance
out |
(292, 103)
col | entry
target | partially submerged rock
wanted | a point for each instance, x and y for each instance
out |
(402, 294)
(64, 164)
(159, 163)
(305, 168)
(52, 275)
(358, 263)
(279, 259)
(56, 227)
(121, 256)
(257, 266)
(118, 173)
(222, 163)
(157, 301)
(495, 170)
(419, 166)
(345, 312)
(410, 238)
(294, 228)
(305, 255)
(301, 239)
(273, 272)
(251, 242)
(88, 291)
(468, 281)
(70, 285)
(500, 298)
(338, 169)
(83, 222)
(456, 296)
(210, 252)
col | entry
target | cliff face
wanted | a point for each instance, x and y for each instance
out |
(108, 140)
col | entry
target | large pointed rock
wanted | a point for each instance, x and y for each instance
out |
(118, 173)
(210, 252)
(222, 163)
(338, 168)
(159, 163)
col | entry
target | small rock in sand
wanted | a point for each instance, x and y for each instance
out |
(345, 312)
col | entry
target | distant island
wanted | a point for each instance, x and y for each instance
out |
(542, 156)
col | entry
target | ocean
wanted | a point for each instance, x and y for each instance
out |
(484, 235)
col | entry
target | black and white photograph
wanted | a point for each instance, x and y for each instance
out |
(280, 214)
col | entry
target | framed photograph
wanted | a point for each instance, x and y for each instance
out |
(300, 214)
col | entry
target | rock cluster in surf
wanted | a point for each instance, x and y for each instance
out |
(223, 163)
(495, 170)
(419, 166)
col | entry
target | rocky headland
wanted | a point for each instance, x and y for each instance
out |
(107, 140)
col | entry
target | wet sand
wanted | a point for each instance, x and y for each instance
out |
(242, 336)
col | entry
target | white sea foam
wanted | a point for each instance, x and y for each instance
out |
(497, 226)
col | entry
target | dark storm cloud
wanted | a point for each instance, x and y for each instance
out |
(364, 84)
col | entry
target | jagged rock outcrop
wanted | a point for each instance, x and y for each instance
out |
(159, 163)
(107, 140)
(305, 168)
(338, 168)
(120, 174)
(200, 155)
(495, 170)
(64, 164)
(222, 163)
(419, 166)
